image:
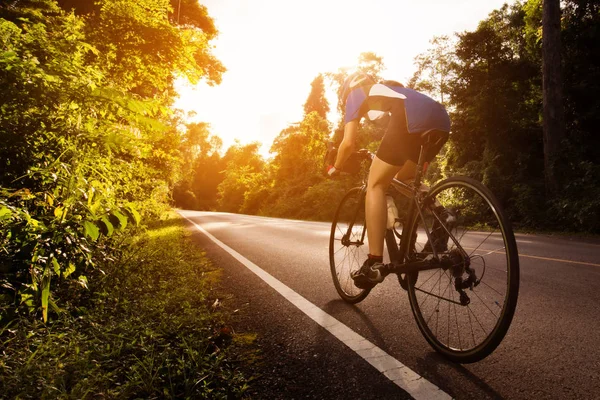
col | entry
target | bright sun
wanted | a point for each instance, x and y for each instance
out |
(274, 49)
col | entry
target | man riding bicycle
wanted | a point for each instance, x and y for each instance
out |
(410, 113)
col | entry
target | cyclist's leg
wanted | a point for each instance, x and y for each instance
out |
(389, 160)
(391, 157)
(407, 174)
(380, 177)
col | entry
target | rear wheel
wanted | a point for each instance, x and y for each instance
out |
(347, 245)
(465, 308)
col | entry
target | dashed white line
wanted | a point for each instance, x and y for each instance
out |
(417, 386)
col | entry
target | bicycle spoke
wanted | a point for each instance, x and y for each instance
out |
(487, 266)
(477, 319)
(427, 280)
(439, 300)
(483, 302)
(427, 297)
(457, 328)
(500, 294)
(346, 245)
(484, 240)
(448, 341)
(469, 332)
(471, 325)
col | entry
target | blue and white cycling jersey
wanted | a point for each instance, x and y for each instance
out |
(422, 112)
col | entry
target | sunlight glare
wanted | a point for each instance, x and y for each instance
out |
(274, 49)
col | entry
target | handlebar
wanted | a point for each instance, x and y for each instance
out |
(366, 154)
(352, 165)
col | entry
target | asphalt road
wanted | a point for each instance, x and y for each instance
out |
(552, 350)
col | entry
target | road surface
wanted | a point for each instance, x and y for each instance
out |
(316, 346)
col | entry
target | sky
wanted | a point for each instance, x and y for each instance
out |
(273, 49)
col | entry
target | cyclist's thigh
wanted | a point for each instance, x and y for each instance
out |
(397, 145)
(407, 172)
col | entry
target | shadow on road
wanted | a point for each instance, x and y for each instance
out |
(337, 307)
(430, 363)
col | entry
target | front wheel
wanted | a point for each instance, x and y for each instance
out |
(465, 307)
(347, 245)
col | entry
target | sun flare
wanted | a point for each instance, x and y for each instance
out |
(274, 49)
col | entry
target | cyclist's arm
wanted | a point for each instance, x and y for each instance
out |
(348, 145)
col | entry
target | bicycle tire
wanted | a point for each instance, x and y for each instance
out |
(347, 257)
(481, 227)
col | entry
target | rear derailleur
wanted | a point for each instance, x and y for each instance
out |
(459, 264)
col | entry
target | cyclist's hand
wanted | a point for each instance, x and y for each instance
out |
(332, 171)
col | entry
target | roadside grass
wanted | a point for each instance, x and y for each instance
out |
(146, 328)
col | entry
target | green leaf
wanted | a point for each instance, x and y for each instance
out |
(94, 207)
(31, 221)
(152, 124)
(132, 213)
(7, 56)
(45, 294)
(83, 281)
(91, 230)
(56, 266)
(118, 220)
(106, 227)
(69, 270)
(5, 213)
(27, 299)
(54, 306)
(60, 212)
(137, 106)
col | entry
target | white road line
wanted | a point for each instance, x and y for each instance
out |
(417, 386)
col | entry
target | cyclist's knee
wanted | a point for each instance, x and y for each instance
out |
(381, 174)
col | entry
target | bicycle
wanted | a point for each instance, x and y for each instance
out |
(463, 295)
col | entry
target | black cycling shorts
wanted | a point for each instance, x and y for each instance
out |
(398, 145)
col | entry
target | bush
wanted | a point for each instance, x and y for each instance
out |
(146, 327)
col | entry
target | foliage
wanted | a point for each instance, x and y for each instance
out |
(140, 49)
(496, 103)
(244, 165)
(292, 183)
(147, 328)
(368, 62)
(495, 130)
(316, 99)
(434, 69)
(490, 81)
(200, 154)
(87, 135)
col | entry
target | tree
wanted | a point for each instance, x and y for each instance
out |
(202, 166)
(316, 100)
(434, 69)
(243, 166)
(142, 51)
(553, 120)
(371, 63)
(368, 62)
(86, 130)
(495, 106)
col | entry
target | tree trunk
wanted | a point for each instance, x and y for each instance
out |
(553, 113)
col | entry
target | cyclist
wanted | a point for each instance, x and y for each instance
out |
(409, 113)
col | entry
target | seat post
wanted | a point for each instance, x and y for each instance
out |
(419, 172)
(401, 256)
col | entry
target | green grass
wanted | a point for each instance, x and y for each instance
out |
(146, 328)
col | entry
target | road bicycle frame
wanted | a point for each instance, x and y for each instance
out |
(462, 316)
(400, 263)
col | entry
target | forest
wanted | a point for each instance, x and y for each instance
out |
(490, 80)
(94, 152)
